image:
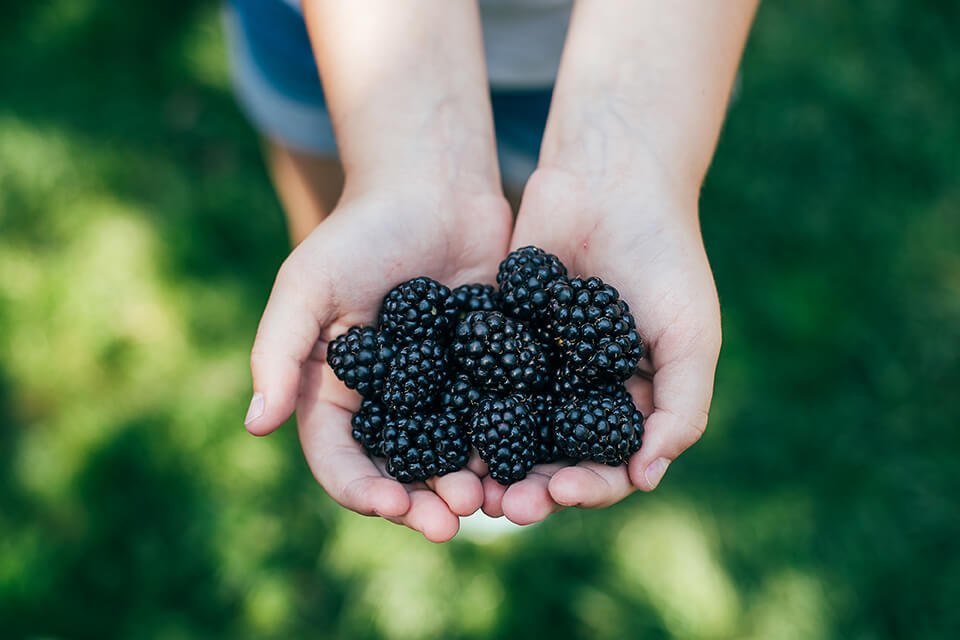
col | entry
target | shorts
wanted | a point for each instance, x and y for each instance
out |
(278, 87)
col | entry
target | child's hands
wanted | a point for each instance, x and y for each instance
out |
(337, 278)
(641, 236)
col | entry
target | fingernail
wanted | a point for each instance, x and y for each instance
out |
(256, 408)
(655, 471)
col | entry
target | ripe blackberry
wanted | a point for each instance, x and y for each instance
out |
(420, 446)
(419, 309)
(504, 433)
(498, 353)
(475, 297)
(542, 407)
(603, 427)
(460, 394)
(416, 377)
(595, 330)
(362, 357)
(567, 383)
(368, 423)
(525, 278)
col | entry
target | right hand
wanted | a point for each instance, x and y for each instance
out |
(376, 238)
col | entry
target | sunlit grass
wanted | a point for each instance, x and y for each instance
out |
(668, 555)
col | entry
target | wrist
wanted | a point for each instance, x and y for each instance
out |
(642, 190)
(416, 191)
(438, 158)
(606, 140)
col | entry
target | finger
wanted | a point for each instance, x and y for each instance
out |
(342, 467)
(288, 331)
(590, 485)
(429, 515)
(477, 465)
(462, 491)
(529, 500)
(682, 390)
(493, 497)
(641, 390)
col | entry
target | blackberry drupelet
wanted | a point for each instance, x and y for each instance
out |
(595, 330)
(368, 423)
(598, 426)
(420, 446)
(416, 377)
(419, 309)
(460, 394)
(505, 433)
(362, 358)
(542, 407)
(475, 297)
(525, 278)
(498, 353)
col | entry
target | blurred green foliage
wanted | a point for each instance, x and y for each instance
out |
(138, 239)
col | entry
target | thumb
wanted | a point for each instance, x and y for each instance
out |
(287, 334)
(682, 390)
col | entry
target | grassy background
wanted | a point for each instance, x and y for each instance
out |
(138, 239)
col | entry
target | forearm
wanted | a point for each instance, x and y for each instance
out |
(406, 88)
(643, 85)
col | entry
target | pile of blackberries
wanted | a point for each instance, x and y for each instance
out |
(527, 373)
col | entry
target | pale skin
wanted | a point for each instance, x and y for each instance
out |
(637, 109)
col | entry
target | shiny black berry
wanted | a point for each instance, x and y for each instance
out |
(460, 394)
(420, 446)
(368, 423)
(525, 278)
(498, 353)
(362, 358)
(475, 297)
(419, 309)
(505, 434)
(598, 426)
(416, 378)
(595, 330)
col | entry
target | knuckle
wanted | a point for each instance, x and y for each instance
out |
(289, 272)
(698, 425)
(353, 494)
(256, 357)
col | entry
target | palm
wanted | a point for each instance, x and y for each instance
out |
(650, 250)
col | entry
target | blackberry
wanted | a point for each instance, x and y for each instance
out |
(419, 309)
(568, 383)
(475, 297)
(416, 378)
(505, 434)
(420, 446)
(542, 407)
(595, 330)
(498, 353)
(368, 423)
(460, 394)
(362, 357)
(525, 278)
(603, 427)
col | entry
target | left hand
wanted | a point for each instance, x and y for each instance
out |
(396, 230)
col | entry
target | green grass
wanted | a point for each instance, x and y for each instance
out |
(139, 236)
